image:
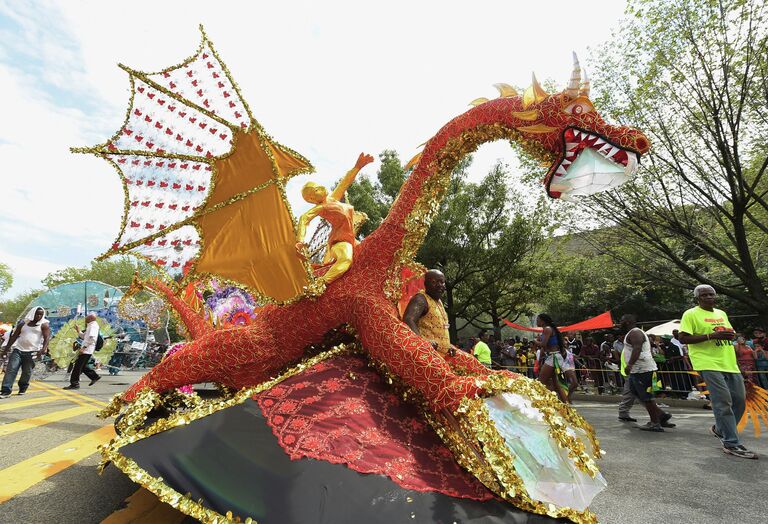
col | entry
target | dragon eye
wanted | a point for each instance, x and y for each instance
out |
(579, 106)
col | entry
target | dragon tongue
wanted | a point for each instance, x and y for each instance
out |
(631, 165)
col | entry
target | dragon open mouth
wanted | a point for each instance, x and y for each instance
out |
(590, 164)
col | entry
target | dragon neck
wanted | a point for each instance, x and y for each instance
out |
(419, 199)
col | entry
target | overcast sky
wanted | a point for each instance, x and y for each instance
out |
(329, 79)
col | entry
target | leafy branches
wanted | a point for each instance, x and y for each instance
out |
(116, 272)
(486, 242)
(692, 76)
(6, 278)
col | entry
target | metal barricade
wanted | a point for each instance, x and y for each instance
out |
(676, 376)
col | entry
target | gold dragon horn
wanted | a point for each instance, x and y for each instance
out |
(479, 101)
(534, 94)
(585, 85)
(505, 90)
(573, 86)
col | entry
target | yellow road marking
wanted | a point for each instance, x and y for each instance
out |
(4, 406)
(143, 507)
(22, 476)
(63, 396)
(71, 395)
(72, 398)
(42, 420)
(33, 389)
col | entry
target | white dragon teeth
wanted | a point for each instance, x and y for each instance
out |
(599, 142)
(561, 170)
(570, 145)
(614, 150)
(565, 162)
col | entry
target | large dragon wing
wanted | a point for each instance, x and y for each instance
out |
(204, 184)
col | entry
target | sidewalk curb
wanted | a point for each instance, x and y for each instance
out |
(615, 399)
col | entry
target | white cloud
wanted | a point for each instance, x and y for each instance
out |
(27, 271)
(329, 79)
(28, 267)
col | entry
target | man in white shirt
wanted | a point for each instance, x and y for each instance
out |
(639, 369)
(90, 336)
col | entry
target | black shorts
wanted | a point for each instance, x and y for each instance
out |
(641, 385)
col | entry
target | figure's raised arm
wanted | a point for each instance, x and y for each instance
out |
(362, 161)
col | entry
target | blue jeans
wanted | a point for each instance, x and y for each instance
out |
(16, 360)
(726, 391)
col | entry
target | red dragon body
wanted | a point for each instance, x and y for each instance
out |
(555, 127)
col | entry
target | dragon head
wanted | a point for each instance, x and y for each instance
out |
(585, 155)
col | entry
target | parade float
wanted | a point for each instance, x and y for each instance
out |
(330, 408)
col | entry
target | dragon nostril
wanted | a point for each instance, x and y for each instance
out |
(641, 143)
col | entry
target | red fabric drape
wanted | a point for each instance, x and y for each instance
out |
(602, 321)
(343, 412)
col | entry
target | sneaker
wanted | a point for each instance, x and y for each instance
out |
(92, 382)
(5, 395)
(627, 418)
(21, 393)
(739, 451)
(650, 426)
(662, 405)
(713, 430)
(665, 423)
(71, 387)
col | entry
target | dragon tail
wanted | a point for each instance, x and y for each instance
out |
(195, 323)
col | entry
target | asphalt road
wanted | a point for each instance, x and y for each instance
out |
(680, 476)
(76, 493)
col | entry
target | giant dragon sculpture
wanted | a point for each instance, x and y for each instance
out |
(188, 132)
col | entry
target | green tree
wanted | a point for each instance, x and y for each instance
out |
(583, 283)
(693, 75)
(6, 278)
(375, 198)
(115, 271)
(391, 175)
(487, 243)
(365, 196)
(13, 308)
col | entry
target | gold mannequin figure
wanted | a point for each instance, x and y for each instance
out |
(338, 214)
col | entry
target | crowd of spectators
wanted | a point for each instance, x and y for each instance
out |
(597, 358)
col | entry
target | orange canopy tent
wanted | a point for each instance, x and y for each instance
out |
(602, 321)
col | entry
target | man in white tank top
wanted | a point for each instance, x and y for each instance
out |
(639, 370)
(30, 338)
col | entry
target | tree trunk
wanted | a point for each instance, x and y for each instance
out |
(452, 331)
(495, 320)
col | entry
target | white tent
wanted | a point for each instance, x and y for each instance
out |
(664, 329)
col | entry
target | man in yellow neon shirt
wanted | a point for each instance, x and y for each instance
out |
(482, 351)
(709, 336)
